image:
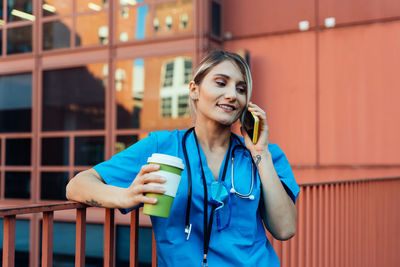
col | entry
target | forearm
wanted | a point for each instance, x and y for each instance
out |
(88, 187)
(279, 212)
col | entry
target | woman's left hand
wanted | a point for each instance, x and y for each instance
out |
(261, 146)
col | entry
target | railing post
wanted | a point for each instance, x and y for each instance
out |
(47, 239)
(80, 238)
(134, 239)
(9, 241)
(109, 239)
(153, 252)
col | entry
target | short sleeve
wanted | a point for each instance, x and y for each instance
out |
(123, 167)
(284, 171)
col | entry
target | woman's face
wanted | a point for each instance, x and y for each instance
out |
(221, 94)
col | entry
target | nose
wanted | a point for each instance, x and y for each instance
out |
(230, 92)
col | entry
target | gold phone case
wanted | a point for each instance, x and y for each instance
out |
(255, 131)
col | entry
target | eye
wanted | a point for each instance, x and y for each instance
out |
(241, 89)
(220, 82)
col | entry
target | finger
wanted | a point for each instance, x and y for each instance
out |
(149, 168)
(150, 188)
(147, 200)
(153, 178)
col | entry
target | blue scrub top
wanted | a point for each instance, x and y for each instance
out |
(243, 243)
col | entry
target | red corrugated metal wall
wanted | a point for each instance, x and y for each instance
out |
(345, 224)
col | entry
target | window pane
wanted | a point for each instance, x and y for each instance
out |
(56, 7)
(17, 185)
(19, 40)
(164, 82)
(122, 243)
(1, 37)
(125, 141)
(55, 151)
(15, 102)
(18, 10)
(89, 151)
(53, 185)
(91, 5)
(171, 18)
(131, 23)
(73, 99)
(57, 34)
(18, 152)
(91, 29)
(215, 18)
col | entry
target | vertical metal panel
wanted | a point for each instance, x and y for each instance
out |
(9, 241)
(47, 239)
(134, 244)
(359, 95)
(80, 240)
(357, 11)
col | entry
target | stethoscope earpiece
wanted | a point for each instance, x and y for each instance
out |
(251, 197)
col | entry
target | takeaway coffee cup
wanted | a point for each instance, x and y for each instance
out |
(171, 169)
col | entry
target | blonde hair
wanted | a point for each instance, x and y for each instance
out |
(213, 59)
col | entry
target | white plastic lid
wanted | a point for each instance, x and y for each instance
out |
(167, 160)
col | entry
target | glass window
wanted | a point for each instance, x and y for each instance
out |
(125, 141)
(89, 151)
(169, 74)
(73, 99)
(173, 17)
(18, 152)
(183, 105)
(91, 5)
(132, 22)
(18, 10)
(57, 34)
(188, 71)
(56, 7)
(19, 40)
(91, 29)
(161, 80)
(1, 37)
(215, 18)
(53, 185)
(123, 241)
(166, 106)
(17, 185)
(15, 102)
(55, 151)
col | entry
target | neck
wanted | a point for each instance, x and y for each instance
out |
(212, 136)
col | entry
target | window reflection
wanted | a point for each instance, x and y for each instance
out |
(131, 23)
(165, 96)
(173, 18)
(53, 185)
(91, 5)
(15, 102)
(91, 29)
(73, 99)
(18, 10)
(56, 7)
(125, 141)
(57, 34)
(19, 40)
(89, 151)
(55, 151)
(17, 185)
(18, 151)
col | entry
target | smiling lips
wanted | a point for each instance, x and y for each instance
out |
(227, 108)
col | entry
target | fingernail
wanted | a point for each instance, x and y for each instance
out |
(155, 200)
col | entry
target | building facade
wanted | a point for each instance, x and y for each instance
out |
(81, 80)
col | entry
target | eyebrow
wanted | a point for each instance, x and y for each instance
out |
(228, 77)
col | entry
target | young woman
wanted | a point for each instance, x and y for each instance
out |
(230, 188)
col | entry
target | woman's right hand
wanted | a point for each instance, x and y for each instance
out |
(135, 193)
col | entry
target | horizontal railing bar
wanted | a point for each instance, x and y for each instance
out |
(36, 208)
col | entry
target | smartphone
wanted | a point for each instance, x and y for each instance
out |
(250, 123)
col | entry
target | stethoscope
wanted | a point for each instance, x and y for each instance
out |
(208, 224)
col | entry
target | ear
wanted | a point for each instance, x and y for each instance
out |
(193, 90)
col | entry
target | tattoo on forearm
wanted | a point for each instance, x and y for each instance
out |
(93, 203)
(257, 159)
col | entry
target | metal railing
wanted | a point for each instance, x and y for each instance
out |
(350, 223)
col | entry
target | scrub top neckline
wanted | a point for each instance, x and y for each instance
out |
(207, 170)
